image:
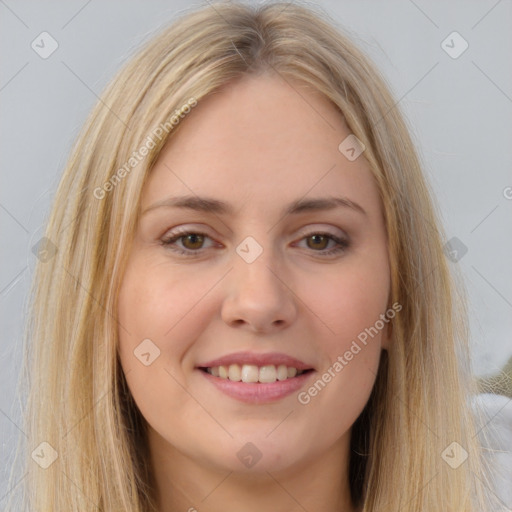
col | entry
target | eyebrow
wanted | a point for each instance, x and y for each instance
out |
(211, 205)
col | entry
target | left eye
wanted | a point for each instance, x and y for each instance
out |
(193, 241)
(196, 240)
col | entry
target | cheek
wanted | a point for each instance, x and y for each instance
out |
(351, 303)
(350, 309)
(160, 316)
(157, 302)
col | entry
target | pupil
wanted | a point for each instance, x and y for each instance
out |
(193, 238)
(317, 238)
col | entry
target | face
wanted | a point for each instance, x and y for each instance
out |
(291, 298)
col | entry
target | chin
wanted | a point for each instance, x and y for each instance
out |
(258, 454)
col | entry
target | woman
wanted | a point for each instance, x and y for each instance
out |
(249, 306)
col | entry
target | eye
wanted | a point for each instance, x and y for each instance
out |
(319, 240)
(193, 243)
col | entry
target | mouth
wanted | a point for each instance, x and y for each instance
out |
(256, 378)
(250, 373)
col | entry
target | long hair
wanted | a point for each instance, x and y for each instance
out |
(78, 401)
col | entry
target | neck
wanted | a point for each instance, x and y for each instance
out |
(184, 484)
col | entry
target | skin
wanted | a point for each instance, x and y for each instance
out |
(259, 144)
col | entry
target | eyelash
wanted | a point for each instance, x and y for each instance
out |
(342, 244)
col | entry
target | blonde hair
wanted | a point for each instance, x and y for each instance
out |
(78, 400)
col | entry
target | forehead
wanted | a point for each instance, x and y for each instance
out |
(263, 139)
(263, 114)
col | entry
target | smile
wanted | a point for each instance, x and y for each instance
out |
(256, 378)
(252, 373)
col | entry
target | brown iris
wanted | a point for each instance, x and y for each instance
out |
(194, 239)
(317, 237)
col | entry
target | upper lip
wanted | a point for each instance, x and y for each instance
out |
(241, 358)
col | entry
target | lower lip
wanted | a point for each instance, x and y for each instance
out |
(257, 392)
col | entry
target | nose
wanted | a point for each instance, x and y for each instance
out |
(259, 296)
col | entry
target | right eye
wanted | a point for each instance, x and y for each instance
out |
(193, 239)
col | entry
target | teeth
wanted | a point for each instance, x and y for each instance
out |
(250, 373)
(235, 372)
(282, 372)
(292, 372)
(268, 373)
(253, 373)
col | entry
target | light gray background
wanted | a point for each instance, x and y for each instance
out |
(459, 110)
